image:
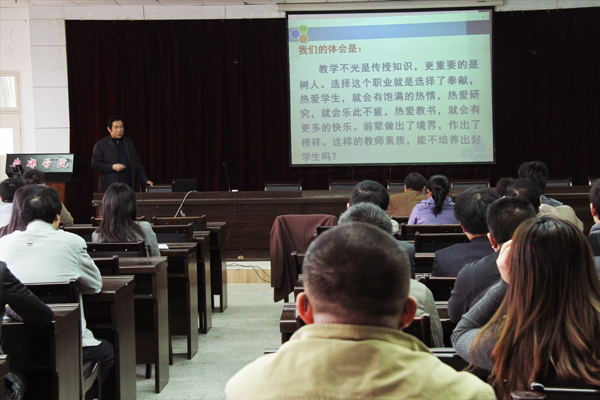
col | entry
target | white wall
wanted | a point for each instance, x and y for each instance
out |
(32, 42)
(15, 56)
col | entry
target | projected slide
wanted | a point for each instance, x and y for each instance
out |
(391, 88)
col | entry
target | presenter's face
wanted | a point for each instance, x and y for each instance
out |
(117, 130)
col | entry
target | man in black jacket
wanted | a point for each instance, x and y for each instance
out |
(116, 159)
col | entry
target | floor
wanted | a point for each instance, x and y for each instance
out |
(238, 336)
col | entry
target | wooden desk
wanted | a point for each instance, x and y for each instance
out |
(110, 315)
(151, 313)
(218, 266)
(55, 348)
(3, 372)
(183, 292)
(202, 238)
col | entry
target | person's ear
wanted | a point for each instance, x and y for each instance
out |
(304, 308)
(493, 241)
(56, 222)
(540, 201)
(108, 129)
(347, 206)
(405, 188)
(593, 210)
(410, 310)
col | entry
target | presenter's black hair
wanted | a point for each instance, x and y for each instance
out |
(113, 119)
(415, 181)
(439, 186)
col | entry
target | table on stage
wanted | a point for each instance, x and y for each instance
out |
(151, 313)
(55, 348)
(110, 315)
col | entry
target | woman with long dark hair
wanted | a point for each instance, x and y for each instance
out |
(541, 322)
(438, 208)
(118, 220)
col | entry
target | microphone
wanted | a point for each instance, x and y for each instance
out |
(227, 176)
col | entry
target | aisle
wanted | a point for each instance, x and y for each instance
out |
(238, 336)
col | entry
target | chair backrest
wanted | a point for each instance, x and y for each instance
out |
(198, 221)
(133, 249)
(449, 357)
(56, 292)
(420, 328)
(407, 232)
(96, 220)
(321, 229)
(424, 263)
(392, 184)
(469, 183)
(400, 220)
(174, 233)
(282, 186)
(84, 232)
(342, 184)
(107, 265)
(559, 182)
(440, 286)
(159, 188)
(432, 242)
(557, 393)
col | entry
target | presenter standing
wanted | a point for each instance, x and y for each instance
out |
(116, 159)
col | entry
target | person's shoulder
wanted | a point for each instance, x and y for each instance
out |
(145, 225)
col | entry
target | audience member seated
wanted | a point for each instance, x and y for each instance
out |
(503, 217)
(528, 190)
(24, 306)
(37, 177)
(37, 251)
(374, 193)
(594, 236)
(118, 220)
(8, 187)
(502, 185)
(401, 204)
(371, 214)
(537, 172)
(438, 208)
(470, 211)
(355, 302)
(541, 322)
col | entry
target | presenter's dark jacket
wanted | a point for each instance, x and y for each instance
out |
(21, 300)
(105, 155)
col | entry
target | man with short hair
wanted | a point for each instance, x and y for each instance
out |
(8, 187)
(371, 214)
(373, 192)
(537, 172)
(594, 236)
(401, 204)
(470, 211)
(352, 345)
(43, 253)
(37, 177)
(527, 189)
(503, 217)
(116, 159)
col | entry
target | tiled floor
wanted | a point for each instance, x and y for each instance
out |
(238, 336)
